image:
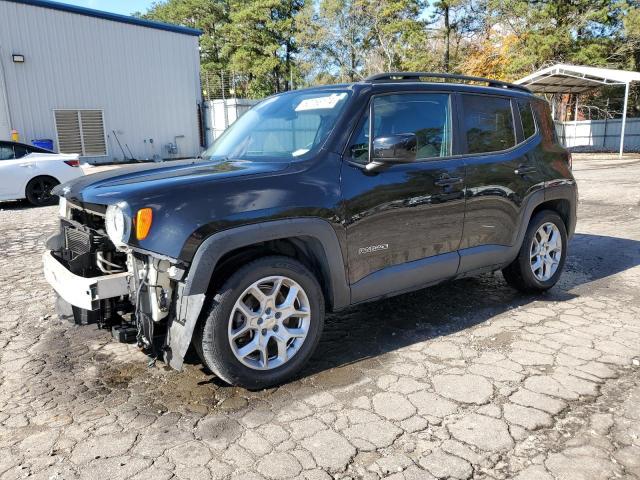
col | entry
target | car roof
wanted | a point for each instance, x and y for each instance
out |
(419, 81)
(443, 77)
(11, 142)
(404, 85)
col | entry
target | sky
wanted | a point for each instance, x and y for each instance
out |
(123, 7)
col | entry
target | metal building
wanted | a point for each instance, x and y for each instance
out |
(106, 86)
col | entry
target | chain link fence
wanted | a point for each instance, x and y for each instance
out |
(223, 84)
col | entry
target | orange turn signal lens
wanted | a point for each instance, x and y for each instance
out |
(144, 217)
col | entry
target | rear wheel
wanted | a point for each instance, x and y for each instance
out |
(38, 191)
(541, 258)
(264, 325)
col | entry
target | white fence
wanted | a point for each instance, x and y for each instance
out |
(219, 114)
(601, 135)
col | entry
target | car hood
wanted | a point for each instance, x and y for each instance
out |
(123, 183)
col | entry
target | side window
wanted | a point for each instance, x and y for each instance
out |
(20, 151)
(6, 152)
(488, 123)
(427, 115)
(528, 122)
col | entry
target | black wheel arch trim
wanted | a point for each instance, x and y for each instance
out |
(191, 294)
(216, 246)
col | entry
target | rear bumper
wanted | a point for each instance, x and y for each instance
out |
(83, 292)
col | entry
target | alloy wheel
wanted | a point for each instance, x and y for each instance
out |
(41, 190)
(546, 251)
(269, 322)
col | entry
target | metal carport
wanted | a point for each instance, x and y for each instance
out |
(563, 78)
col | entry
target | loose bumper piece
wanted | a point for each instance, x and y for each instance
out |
(80, 291)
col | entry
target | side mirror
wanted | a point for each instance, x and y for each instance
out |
(399, 148)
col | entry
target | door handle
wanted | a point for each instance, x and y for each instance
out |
(446, 180)
(26, 165)
(524, 170)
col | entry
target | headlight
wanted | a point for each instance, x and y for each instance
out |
(62, 207)
(118, 225)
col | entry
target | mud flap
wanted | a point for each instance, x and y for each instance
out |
(183, 323)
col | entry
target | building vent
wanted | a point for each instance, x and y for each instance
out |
(81, 132)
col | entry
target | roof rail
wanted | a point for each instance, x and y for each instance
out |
(393, 76)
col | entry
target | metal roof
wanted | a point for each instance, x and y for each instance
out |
(563, 78)
(89, 12)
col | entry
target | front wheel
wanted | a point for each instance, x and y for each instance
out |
(265, 323)
(541, 258)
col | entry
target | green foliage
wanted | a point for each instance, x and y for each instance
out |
(210, 16)
(274, 45)
(261, 42)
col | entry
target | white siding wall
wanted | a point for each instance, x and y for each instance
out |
(146, 80)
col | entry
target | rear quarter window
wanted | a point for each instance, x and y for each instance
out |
(545, 123)
(21, 151)
(487, 123)
(527, 118)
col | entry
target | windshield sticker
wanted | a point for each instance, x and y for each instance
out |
(320, 103)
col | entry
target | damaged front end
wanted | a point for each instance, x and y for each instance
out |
(101, 280)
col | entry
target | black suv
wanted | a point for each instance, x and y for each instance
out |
(315, 200)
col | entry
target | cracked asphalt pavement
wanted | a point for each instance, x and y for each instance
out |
(469, 379)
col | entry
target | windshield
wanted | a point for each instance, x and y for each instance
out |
(281, 128)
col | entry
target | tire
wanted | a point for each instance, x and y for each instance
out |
(520, 273)
(213, 336)
(38, 191)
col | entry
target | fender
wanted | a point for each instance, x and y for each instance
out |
(483, 258)
(191, 293)
(565, 189)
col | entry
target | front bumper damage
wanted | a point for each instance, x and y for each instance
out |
(82, 292)
(141, 301)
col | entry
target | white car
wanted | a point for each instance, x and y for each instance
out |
(31, 172)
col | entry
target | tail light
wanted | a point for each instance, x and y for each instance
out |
(72, 163)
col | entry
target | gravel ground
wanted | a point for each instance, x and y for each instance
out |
(465, 380)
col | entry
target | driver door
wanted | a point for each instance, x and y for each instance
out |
(403, 221)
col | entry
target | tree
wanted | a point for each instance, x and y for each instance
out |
(460, 19)
(262, 42)
(552, 31)
(629, 46)
(210, 16)
(346, 40)
(393, 25)
(268, 44)
(334, 35)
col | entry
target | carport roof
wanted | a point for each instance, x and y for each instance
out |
(90, 12)
(563, 78)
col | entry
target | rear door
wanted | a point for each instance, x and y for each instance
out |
(500, 173)
(404, 213)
